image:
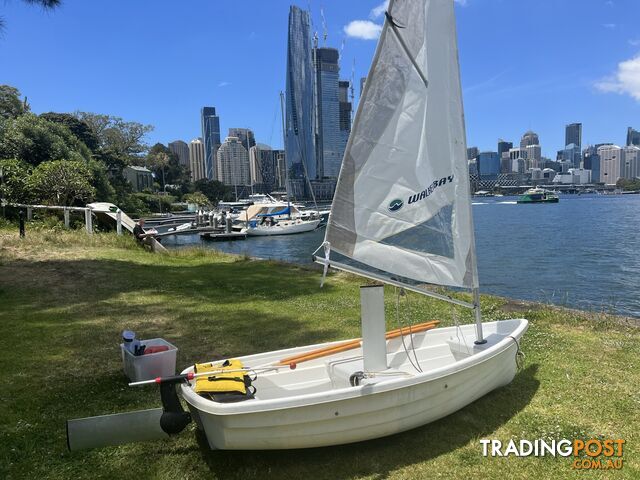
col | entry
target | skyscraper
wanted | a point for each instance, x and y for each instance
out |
(591, 161)
(329, 141)
(263, 168)
(573, 134)
(534, 156)
(345, 114)
(233, 163)
(196, 160)
(504, 146)
(631, 162)
(611, 158)
(210, 123)
(529, 138)
(472, 152)
(181, 149)
(245, 135)
(488, 163)
(633, 137)
(573, 154)
(281, 167)
(300, 111)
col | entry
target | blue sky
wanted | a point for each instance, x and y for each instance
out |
(525, 64)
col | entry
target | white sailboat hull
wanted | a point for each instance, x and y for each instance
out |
(284, 227)
(314, 405)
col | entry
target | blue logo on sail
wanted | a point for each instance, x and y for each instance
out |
(395, 205)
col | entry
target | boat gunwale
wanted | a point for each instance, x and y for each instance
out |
(346, 393)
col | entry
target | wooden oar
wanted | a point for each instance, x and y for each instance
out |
(351, 344)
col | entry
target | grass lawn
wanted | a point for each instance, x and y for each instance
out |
(65, 297)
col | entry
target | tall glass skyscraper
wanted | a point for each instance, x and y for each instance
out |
(211, 135)
(300, 111)
(329, 142)
(345, 115)
(573, 134)
(573, 138)
(633, 137)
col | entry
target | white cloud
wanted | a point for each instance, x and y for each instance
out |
(368, 30)
(634, 42)
(609, 25)
(379, 10)
(364, 29)
(224, 84)
(625, 81)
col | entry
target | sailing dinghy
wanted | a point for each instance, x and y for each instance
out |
(401, 215)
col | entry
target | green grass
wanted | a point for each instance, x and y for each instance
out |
(65, 297)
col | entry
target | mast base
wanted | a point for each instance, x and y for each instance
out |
(480, 342)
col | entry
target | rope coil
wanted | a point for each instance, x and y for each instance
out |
(520, 356)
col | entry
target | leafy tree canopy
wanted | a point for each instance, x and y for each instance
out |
(62, 182)
(629, 184)
(14, 177)
(35, 140)
(11, 106)
(79, 128)
(214, 190)
(198, 198)
(116, 135)
(161, 158)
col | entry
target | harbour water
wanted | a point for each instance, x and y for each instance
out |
(583, 252)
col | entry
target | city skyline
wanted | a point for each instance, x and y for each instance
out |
(499, 100)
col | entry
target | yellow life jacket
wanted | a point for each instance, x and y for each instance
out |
(220, 381)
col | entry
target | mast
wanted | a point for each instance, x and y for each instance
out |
(284, 146)
(474, 261)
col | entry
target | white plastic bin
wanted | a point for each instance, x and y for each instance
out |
(152, 365)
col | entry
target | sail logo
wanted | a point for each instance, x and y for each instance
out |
(395, 205)
(430, 189)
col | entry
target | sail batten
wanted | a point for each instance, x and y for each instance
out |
(402, 202)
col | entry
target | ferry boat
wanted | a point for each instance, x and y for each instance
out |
(538, 195)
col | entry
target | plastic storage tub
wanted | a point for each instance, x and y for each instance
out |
(152, 365)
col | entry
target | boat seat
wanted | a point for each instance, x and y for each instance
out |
(465, 347)
(340, 372)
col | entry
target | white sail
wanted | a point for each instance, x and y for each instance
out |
(402, 203)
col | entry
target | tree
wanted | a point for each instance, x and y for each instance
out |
(77, 127)
(214, 190)
(46, 4)
(105, 191)
(14, 177)
(628, 184)
(62, 182)
(35, 140)
(116, 135)
(198, 198)
(166, 165)
(10, 104)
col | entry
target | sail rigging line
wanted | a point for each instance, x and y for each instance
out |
(395, 29)
(459, 331)
(401, 292)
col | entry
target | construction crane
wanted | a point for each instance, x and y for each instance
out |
(324, 28)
